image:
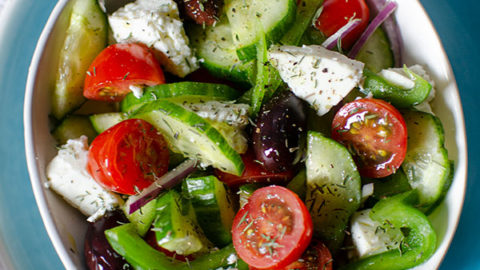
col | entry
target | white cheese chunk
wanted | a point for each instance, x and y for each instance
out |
(157, 24)
(315, 74)
(369, 237)
(67, 175)
(233, 114)
(398, 77)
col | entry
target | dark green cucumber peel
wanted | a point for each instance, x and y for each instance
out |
(180, 91)
(191, 135)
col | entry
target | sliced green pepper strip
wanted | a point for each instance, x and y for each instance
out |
(126, 242)
(399, 97)
(419, 241)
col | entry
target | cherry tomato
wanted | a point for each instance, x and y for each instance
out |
(375, 134)
(273, 229)
(337, 13)
(254, 172)
(117, 68)
(316, 257)
(128, 157)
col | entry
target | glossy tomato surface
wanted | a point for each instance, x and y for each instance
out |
(117, 68)
(375, 134)
(273, 229)
(254, 172)
(128, 157)
(337, 13)
(316, 257)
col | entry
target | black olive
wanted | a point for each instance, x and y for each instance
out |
(280, 125)
(98, 252)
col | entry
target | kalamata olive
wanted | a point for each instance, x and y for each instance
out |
(201, 11)
(99, 255)
(280, 125)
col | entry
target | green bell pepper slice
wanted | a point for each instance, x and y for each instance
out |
(419, 238)
(126, 242)
(399, 97)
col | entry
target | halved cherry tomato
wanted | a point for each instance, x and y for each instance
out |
(118, 67)
(128, 157)
(375, 134)
(273, 229)
(254, 172)
(316, 257)
(337, 13)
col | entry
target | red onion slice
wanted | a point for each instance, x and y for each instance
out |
(391, 29)
(386, 11)
(341, 33)
(166, 181)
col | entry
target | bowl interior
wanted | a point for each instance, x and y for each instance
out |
(66, 226)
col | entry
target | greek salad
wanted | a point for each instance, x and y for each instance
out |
(246, 134)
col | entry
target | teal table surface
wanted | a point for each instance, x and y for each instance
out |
(23, 240)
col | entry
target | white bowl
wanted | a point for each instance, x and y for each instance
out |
(66, 226)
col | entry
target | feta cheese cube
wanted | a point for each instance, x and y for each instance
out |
(319, 76)
(67, 175)
(370, 237)
(157, 24)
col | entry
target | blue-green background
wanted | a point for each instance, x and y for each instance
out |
(21, 228)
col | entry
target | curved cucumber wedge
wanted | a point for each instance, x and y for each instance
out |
(248, 17)
(191, 135)
(376, 53)
(426, 163)
(333, 188)
(72, 127)
(86, 36)
(214, 45)
(180, 91)
(212, 206)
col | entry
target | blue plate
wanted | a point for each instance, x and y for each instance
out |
(24, 243)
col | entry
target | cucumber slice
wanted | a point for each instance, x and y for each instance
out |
(175, 226)
(376, 53)
(72, 127)
(143, 218)
(104, 121)
(234, 136)
(86, 36)
(213, 207)
(250, 19)
(188, 133)
(180, 91)
(298, 184)
(306, 10)
(215, 46)
(426, 163)
(333, 188)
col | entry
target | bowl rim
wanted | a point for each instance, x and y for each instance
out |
(32, 164)
(39, 188)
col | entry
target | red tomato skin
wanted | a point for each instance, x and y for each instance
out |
(394, 142)
(316, 257)
(127, 157)
(337, 13)
(254, 172)
(257, 216)
(118, 67)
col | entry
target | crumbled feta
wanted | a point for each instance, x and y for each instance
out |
(157, 24)
(319, 76)
(233, 114)
(398, 77)
(370, 237)
(67, 175)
